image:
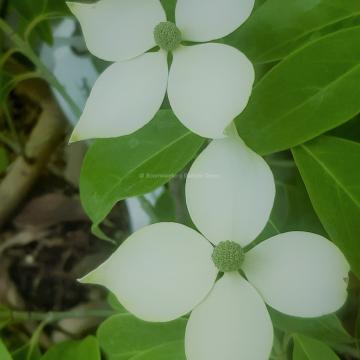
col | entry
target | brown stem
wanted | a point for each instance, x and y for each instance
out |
(44, 139)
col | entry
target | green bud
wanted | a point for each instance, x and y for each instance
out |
(228, 256)
(167, 36)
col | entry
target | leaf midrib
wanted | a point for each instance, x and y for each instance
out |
(303, 103)
(133, 170)
(259, 60)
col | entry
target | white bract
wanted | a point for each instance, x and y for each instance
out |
(208, 84)
(164, 271)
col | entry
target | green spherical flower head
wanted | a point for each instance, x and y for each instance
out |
(228, 256)
(167, 36)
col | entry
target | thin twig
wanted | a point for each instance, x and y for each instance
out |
(46, 74)
(54, 316)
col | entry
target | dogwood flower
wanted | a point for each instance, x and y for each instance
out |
(165, 270)
(208, 85)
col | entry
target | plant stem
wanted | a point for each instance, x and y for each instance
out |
(12, 127)
(148, 208)
(26, 49)
(53, 316)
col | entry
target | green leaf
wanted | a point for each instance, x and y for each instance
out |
(4, 354)
(328, 166)
(266, 36)
(87, 349)
(327, 328)
(309, 93)
(115, 169)
(165, 209)
(29, 10)
(309, 349)
(292, 209)
(114, 303)
(172, 350)
(349, 130)
(23, 353)
(357, 330)
(126, 335)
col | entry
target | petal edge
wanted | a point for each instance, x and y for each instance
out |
(205, 20)
(117, 30)
(299, 273)
(209, 85)
(125, 97)
(150, 272)
(231, 323)
(230, 192)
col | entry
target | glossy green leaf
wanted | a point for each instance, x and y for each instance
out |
(115, 169)
(310, 92)
(329, 167)
(4, 354)
(327, 328)
(173, 350)
(267, 36)
(119, 357)
(126, 335)
(350, 130)
(306, 348)
(87, 349)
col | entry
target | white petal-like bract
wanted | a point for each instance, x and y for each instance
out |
(126, 96)
(205, 20)
(209, 85)
(299, 273)
(230, 192)
(232, 323)
(160, 272)
(117, 30)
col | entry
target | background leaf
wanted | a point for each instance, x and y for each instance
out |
(115, 169)
(23, 353)
(165, 209)
(306, 348)
(87, 349)
(328, 166)
(173, 350)
(123, 336)
(310, 92)
(29, 10)
(327, 328)
(267, 37)
(292, 209)
(4, 354)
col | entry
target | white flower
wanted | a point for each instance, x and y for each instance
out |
(208, 85)
(165, 270)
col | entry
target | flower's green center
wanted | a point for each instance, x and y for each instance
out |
(228, 256)
(167, 36)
